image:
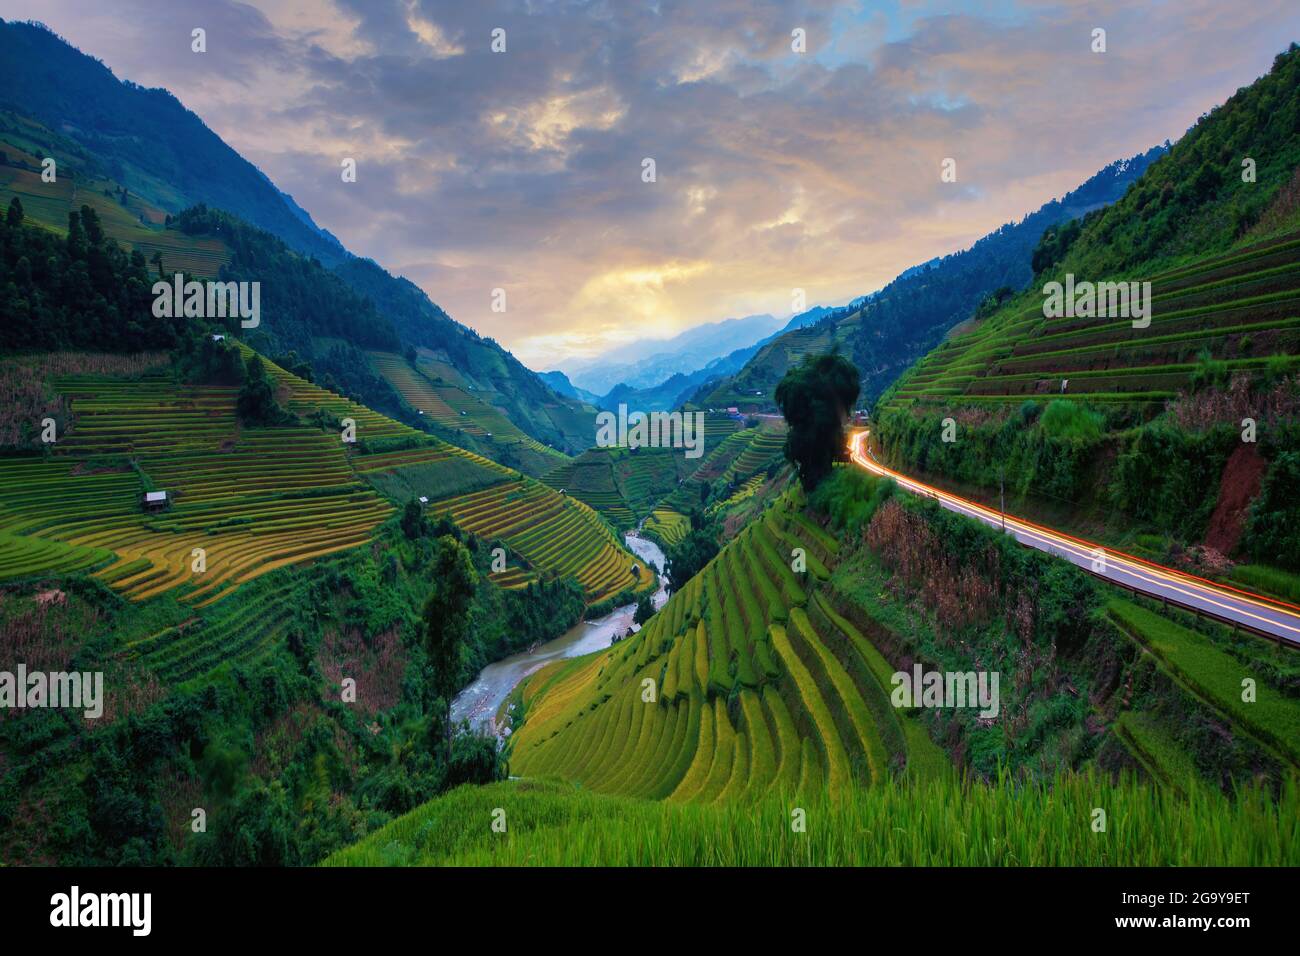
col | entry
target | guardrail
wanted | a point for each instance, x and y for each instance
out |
(1236, 625)
(1200, 611)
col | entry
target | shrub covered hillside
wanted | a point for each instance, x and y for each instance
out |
(1177, 436)
(239, 708)
(260, 629)
(284, 566)
(765, 687)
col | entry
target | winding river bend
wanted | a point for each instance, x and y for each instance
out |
(479, 702)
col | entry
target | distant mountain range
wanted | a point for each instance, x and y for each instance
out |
(647, 363)
(660, 393)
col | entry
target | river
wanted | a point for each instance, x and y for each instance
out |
(479, 702)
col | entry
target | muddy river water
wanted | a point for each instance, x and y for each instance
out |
(478, 703)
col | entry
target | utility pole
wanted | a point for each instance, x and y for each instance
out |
(1002, 495)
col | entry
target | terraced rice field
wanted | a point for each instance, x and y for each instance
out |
(646, 475)
(251, 500)
(667, 525)
(432, 471)
(550, 532)
(235, 630)
(1243, 307)
(738, 457)
(50, 203)
(763, 448)
(590, 478)
(242, 501)
(760, 686)
(718, 426)
(247, 501)
(513, 578)
(455, 408)
(743, 493)
(309, 400)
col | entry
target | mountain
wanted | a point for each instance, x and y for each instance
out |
(667, 395)
(1146, 427)
(145, 138)
(893, 327)
(648, 362)
(673, 391)
(560, 383)
(146, 142)
(815, 314)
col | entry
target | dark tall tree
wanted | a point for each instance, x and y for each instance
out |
(15, 215)
(256, 403)
(645, 609)
(688, 556)
(446, 621)
(816, 398)
(414, 524)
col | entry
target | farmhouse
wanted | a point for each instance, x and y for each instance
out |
(155, 500)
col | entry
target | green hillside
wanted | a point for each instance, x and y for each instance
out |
(254, 499)
(1176, 434)
(884, 333)
(469, 419)
(132, 220)
(281, 564)
(758, 689)
(144, 147)
(767, 677)
(751, 388)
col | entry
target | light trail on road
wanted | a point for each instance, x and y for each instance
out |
(1275, 619)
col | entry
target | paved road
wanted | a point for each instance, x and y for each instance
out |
(1241, 607)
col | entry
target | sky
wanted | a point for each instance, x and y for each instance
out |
(774, 170)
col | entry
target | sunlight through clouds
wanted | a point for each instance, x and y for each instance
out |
(775, 169)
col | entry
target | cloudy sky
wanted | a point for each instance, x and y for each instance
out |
(775, 170)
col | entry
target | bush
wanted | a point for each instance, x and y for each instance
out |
(1070, 421)
(1273, 526)
(850, 496)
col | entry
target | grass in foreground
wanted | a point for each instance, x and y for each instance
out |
(943, 822)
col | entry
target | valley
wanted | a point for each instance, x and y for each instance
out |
(364, 588)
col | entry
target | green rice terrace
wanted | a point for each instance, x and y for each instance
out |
(1240, 309)
(741, 460)
(133, 221)
(253, 499)
(549, 531)
(464, 414)
(756, 692)
(759, 688)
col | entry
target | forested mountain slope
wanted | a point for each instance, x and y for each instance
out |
(1174, 430)
(149, 151)
(908, 317)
